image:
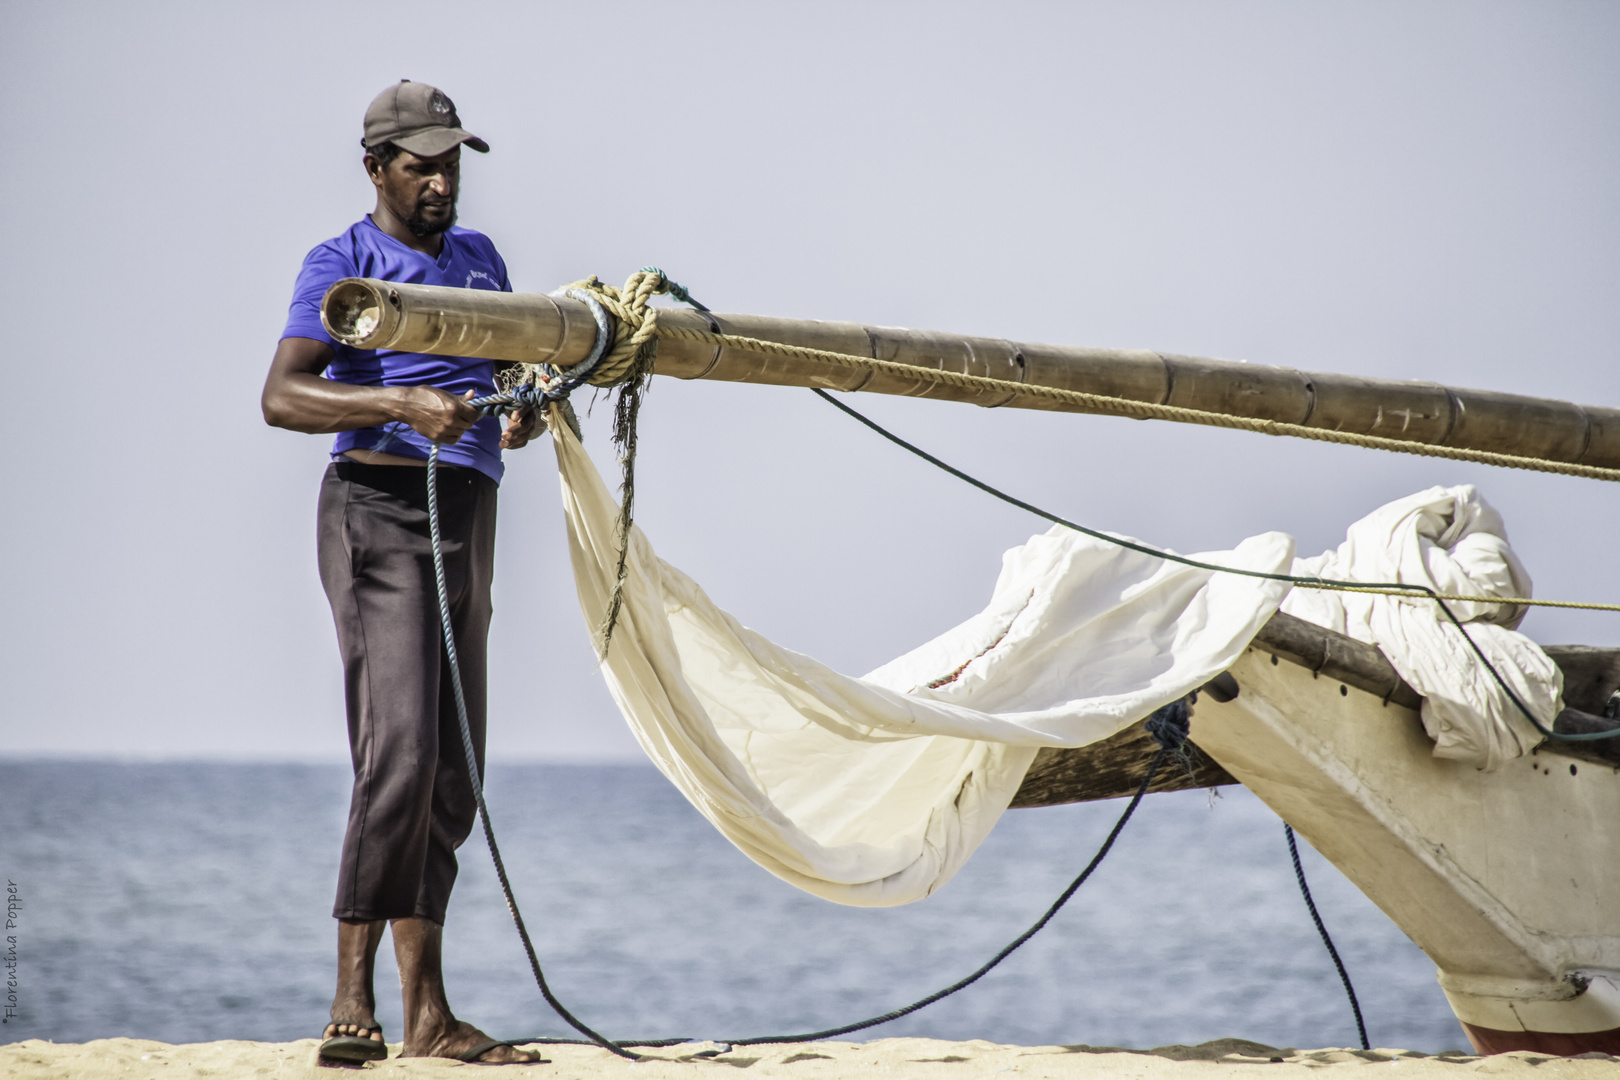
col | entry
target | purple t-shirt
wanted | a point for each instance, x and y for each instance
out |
(467, 261)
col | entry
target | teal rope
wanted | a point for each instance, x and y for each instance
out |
(675, 289)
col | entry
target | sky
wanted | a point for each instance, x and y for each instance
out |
(1422, 191)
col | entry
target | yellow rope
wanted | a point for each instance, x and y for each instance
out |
(629, 305)
(1127, 407)
(1118, 406)
(1416, 594)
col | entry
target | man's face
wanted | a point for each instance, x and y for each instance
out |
(420, 191)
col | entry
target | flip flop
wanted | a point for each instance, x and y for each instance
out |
(353, 1049)
(478, 1050)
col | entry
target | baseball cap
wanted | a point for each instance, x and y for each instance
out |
(419, 118)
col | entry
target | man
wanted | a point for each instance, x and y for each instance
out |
(412, 803)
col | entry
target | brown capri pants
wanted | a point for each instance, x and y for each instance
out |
(412, 804)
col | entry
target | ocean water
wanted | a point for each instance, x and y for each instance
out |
(191, 901)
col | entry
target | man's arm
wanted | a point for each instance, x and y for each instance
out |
(296, 397)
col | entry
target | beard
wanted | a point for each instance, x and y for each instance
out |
(421, 226)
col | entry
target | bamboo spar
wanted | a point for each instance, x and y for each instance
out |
(534, 328)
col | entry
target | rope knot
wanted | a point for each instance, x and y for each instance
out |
(635, 340)
(635, 325)
(1170, 725)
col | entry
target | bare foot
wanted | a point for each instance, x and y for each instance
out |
(458, 1038)
(368, 1029)
(352, 1008)
(354, 1002)
(353, 1040)
(431, 1029)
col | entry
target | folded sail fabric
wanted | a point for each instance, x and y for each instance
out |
(1451, 540)
(874, 791)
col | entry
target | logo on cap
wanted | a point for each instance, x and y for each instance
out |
(442, 109)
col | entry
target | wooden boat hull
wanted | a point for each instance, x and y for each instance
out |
(1509, 881)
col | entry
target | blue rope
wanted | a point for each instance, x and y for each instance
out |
(473, 774)
(517, 399)
(1344, 976)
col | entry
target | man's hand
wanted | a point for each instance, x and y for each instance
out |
(520, 428)
(437, 415)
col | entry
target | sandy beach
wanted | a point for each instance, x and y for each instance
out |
(903, 1059)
